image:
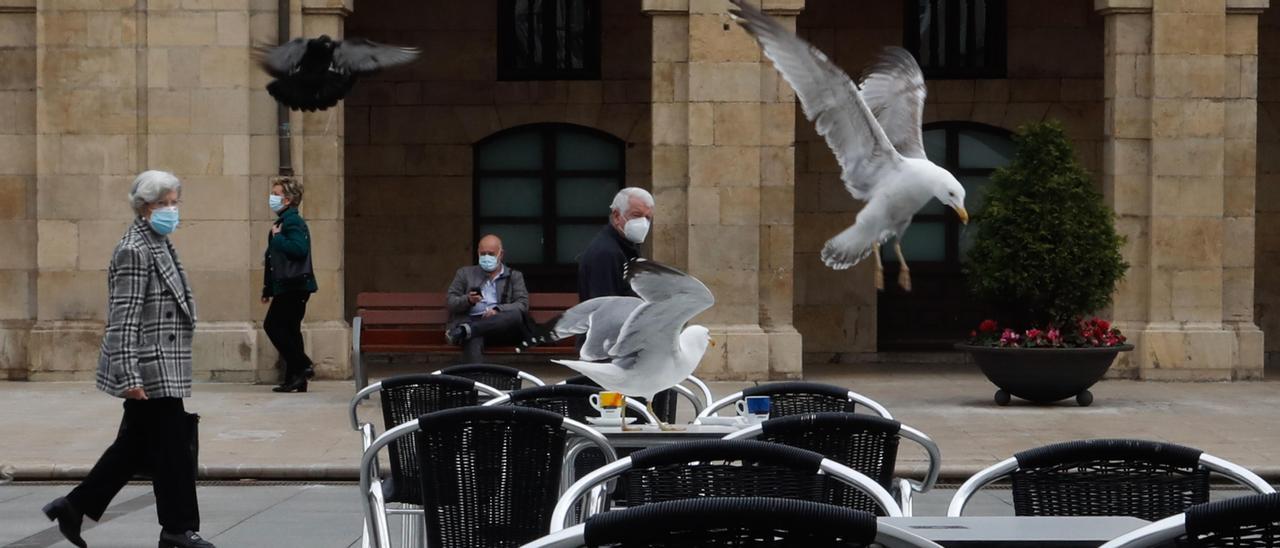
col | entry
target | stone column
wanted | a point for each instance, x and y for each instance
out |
(89, 84)
(1168, 132)
(17, 183)
(723, 130)
(318, 146)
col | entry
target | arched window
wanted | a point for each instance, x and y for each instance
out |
(939, 310)
(545, 189)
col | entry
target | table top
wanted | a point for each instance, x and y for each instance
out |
(1008, 531)
(648, 435)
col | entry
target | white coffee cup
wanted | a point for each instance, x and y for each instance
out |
(613, 412)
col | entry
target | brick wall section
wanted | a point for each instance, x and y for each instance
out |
(410, 132)
(1055, 71)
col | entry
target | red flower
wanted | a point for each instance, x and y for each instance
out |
(1034, 333)
(987, 326)
(1102, 324)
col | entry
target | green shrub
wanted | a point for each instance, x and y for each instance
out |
(1047, 252)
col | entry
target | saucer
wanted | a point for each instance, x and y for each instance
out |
(724, 421)
(601, 421)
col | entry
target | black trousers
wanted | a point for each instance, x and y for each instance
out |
(154, 437)
(284, 327)
(503, 328)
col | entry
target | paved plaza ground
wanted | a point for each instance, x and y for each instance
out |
(57, 431)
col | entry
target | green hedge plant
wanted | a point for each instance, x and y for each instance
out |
(1046, 253)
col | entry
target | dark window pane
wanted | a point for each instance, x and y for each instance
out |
(975, 192)
(548, 39)
(957, 38)
(510, 197)
(980, 149)
(924, 241)
(580, 150)
(521, 150)
(935, 146)
(571, 240)
(522, 243)
(585, 197)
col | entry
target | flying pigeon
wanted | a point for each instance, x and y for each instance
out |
(874, 131)
(314, 74)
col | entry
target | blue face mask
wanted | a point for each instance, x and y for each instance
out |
(276, 203)
(164, 220)
(489, 263)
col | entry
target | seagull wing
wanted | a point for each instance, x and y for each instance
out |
(830, 99)
(671, 299)
(358, 55)
(600, 319)
(894, 90)
(281, 60)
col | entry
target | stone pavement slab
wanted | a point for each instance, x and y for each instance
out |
(291, 515)
(58, 430)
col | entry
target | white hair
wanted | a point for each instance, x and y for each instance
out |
(622, 200)
(150, 186)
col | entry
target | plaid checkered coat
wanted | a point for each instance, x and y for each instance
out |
(151, 318)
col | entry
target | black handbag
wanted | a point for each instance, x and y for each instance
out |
(191, 432)
(285, 269)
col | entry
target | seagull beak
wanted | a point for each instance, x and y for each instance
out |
(964, 215)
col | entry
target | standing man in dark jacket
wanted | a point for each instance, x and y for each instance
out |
(288, 282)
(600, 266)
(487, 302)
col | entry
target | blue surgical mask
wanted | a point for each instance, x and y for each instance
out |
(276, 203)
(489, 263)
(164, 220)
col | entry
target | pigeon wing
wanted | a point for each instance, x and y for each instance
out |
(358, 55)
(671, 299)
(281, 60)
(829, 98)
(894, 90)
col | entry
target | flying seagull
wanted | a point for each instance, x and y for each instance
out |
(874, 131)
(638, 346)
(314, 74)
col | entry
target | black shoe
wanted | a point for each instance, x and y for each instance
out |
(187, 539)
(69, 519)
(458, 334)
(298, 384)
(309, 372)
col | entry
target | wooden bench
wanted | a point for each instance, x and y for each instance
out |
(413, 323)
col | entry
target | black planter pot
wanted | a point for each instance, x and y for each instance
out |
(1044, 375)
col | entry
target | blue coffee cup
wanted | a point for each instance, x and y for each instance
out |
(755, 406)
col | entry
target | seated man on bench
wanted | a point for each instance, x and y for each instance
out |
(488, 303)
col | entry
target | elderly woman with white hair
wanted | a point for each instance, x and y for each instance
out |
(146, 360)
(600, 265)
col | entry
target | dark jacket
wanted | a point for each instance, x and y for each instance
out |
(512, 294)
(292, 244)
(151, 318)
(600, 266)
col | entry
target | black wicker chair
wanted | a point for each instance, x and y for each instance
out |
(865, 443)
(489, 476)
(1107, 477)
(502, 377)
(794, 398)
(723, 468)
(1240, 522)
(732, 521)
(405, 398)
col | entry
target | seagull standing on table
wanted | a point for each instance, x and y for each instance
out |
(638, 346)
(875, 134)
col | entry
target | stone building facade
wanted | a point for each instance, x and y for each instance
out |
(1171, 103)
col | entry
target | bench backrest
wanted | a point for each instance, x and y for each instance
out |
(409, 319)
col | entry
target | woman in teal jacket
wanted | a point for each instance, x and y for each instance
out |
(288, 282)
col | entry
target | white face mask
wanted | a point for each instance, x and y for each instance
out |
(636, 229)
